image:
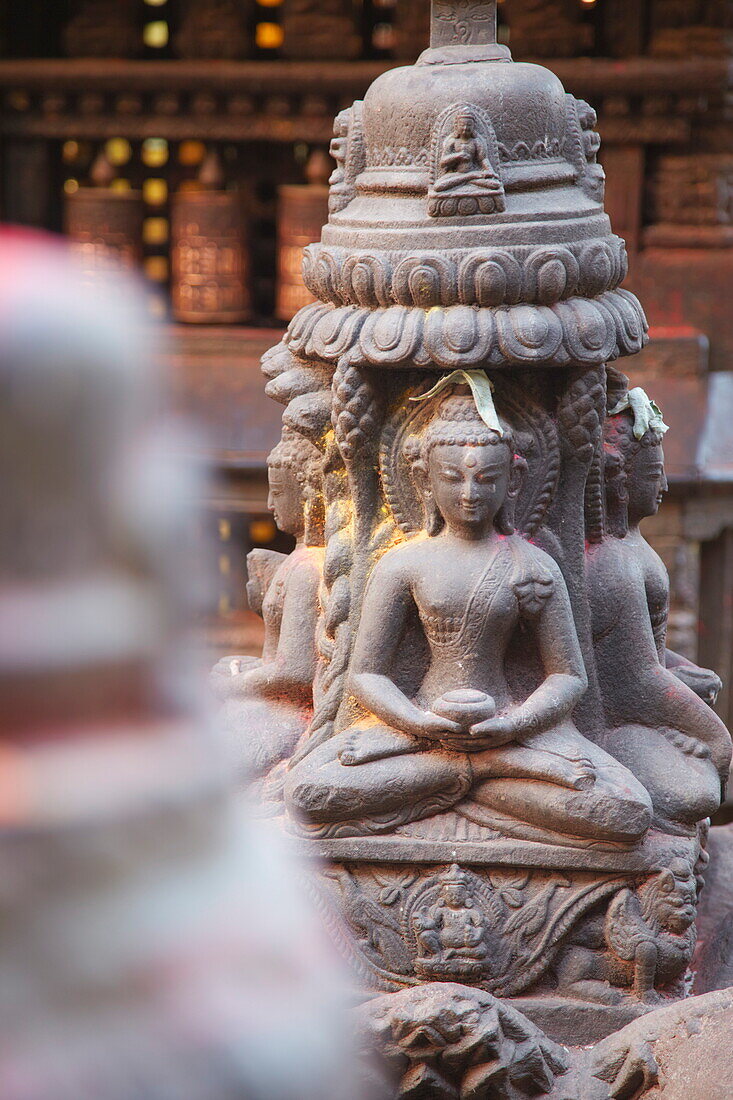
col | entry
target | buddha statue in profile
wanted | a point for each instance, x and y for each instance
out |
(267, 703)
(658, 723)
(453, 717)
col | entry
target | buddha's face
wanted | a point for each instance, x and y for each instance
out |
(285, 500)
(646, 483)
(454, 895)
(469, 484)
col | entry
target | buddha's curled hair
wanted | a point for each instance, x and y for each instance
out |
(618, 435)
(295, 452)
(620, 445)
(458, 422)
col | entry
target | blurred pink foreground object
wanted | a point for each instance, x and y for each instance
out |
(154, 942)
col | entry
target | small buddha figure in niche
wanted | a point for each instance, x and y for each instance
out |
(656, 724)
(445, 726)
(450, 933)
(465, 181)
(267, 703)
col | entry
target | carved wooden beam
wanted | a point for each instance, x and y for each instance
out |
(640, 101)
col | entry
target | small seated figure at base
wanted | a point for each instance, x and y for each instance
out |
(460, 737)
(267, 704)
(657, 726)
(450, 934)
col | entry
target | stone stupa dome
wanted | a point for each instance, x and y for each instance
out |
(469, 182)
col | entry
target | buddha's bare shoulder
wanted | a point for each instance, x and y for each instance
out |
(402, 559)
(532, 558)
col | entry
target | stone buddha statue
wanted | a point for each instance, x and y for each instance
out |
(267, 703)
(657, 725)
(465, 181)
(451, 720)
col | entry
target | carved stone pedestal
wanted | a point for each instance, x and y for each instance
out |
(581, 941)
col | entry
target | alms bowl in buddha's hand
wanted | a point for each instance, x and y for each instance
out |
(465, 706)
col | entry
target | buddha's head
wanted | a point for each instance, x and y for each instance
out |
(468, 473)
(454, 889)
(455, 895)
(634, 471)
(295, 476)
(463, 126)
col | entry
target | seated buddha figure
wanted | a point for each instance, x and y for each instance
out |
(656, 724)
(450, 933)
(446, 725)
(267, 703)
(464, 171)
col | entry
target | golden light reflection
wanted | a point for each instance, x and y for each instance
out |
(262, 530)
(191, 152)
(155, 191)
(155, 34)
(155, 230)
(154, 152)
(156, 268)
(118, 151)
(269, 36)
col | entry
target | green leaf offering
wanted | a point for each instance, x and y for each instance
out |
(645, 412)
(481, 388)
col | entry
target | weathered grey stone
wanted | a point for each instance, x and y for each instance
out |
(507, 771)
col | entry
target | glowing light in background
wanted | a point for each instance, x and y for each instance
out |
(155, 34)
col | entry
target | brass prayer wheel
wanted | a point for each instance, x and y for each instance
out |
(209, 255)
(302, 210)
(105, 225)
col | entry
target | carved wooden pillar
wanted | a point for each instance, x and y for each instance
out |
(498, 762)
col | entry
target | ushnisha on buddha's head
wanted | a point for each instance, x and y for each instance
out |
(468, 473)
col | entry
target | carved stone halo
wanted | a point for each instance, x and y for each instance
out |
(480, 897)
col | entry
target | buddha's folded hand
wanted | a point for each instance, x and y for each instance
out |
(228, 678)
(494, 731)
(437, 728)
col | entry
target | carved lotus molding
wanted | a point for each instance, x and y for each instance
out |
(578, 331)
(484, 277)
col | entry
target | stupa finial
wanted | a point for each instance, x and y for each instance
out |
(463, 23)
